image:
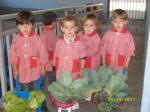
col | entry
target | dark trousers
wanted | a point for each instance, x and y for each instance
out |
(28, 86)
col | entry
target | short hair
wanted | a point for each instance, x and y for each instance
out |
(49, 17)
(25, 17)
(119, 13)
(91, 17)
(68, 18)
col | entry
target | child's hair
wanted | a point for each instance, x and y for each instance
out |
(25, 17)
(91, 17)
(119, 13)
(49, 17)
(68, 18)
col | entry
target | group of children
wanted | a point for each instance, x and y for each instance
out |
(72, 52)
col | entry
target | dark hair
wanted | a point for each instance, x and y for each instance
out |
(49, 17)
(25, 17)
(68, 18)
(119, 13)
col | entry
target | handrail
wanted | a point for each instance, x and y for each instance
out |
(36, 12)
(15, 29)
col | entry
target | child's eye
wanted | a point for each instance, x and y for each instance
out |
(91, 25)
(85, 25)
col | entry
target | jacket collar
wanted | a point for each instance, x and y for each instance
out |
(124, 30)
(91, 34)
(77, 38)
(30, 35)
(46, 28)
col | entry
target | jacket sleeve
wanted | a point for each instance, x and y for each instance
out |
(82, 50)
(12, 56)
(56, 52)
(43, 55)
(130, 49)
(103, 45)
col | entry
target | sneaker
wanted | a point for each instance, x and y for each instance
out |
(75, 106)
(88, 98)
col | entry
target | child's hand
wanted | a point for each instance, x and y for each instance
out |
(53, 68)
(124, 70)
(43, 70)
(16, 73)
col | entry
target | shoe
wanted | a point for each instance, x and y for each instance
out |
(75, 106)
(44, 109)
(88, 98)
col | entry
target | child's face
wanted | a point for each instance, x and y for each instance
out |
(69, 29)
(119, 23)
(89, 27)
(25, 29)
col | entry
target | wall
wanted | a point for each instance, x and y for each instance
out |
(43, 4)
(146, 91)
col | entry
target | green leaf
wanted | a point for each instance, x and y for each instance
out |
(65, 78)
(78, 83)
(115, 84)
(36, 98)
(57, 90)
(103, 75)
(15, 104)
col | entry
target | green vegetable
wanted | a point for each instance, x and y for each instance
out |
(65, 79)
(36, 98)
(66, 89)
(15, 104)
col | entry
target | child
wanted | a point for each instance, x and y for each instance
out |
(49, 39)
(91, 41)
(117, 43)
(27, 54)
(69, 52)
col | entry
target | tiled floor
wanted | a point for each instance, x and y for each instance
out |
(137, 63)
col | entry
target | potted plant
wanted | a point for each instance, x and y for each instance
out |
(66, 91)
(114, 91)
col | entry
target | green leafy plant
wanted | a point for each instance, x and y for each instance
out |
(67, 89)
(107, 88)
(17, 104)
(114, 90)
(36, 98)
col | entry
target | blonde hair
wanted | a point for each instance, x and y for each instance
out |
(91, 17)
(119, 13)
(68, 18)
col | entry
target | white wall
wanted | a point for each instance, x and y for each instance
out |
(43, 4)
(146, 86)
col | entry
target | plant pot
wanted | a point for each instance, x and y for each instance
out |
(32, 110)
(121, 103)
(94, 100)
(67, 104)
(1, 110)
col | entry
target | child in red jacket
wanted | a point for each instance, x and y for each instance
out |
(27, 54)
(69, 53)
(117, 43)
(49, 39)
(91, 41)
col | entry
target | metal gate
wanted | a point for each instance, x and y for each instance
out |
(136, 9)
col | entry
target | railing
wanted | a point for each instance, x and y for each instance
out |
(7, 34)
